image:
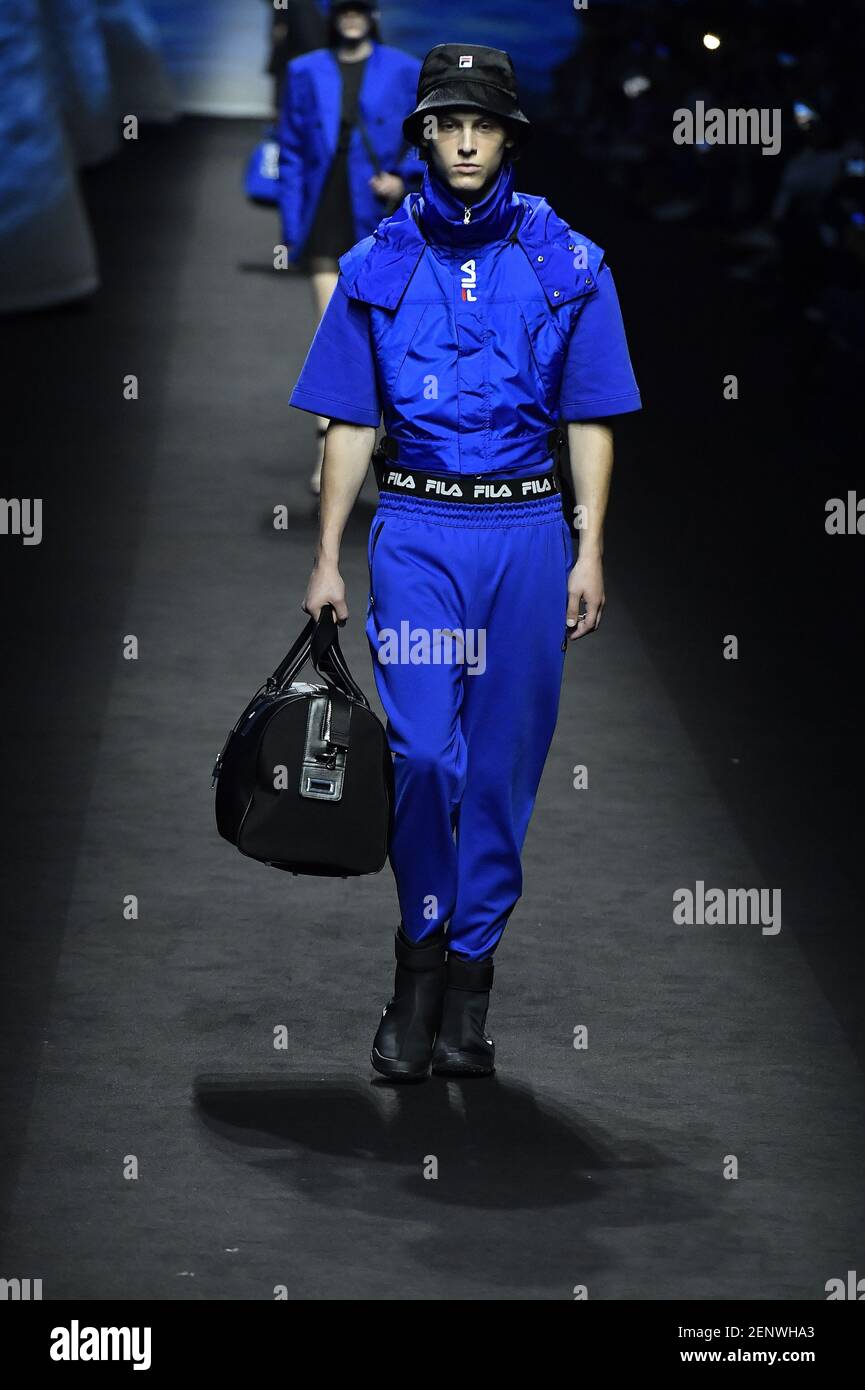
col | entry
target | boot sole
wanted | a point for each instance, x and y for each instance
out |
(454, 1066)
(396, 1071)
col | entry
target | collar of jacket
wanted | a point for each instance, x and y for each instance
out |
(377, 270)
(442, 213)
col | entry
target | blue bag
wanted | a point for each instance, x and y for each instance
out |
(261, 183)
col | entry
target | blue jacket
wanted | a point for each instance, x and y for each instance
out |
(475, 338)
(309, 134)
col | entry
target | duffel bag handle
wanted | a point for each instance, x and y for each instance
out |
(327, 657)
(319, 641)
(294, 660)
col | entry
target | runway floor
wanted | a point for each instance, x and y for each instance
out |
(159, 1145)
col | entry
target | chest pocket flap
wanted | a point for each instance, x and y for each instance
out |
(567, 268)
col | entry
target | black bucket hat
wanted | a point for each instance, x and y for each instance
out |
(467, 74)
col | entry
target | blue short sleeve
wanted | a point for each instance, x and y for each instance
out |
(338, 378)
(598, 378)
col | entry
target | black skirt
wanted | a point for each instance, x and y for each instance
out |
(333, 230)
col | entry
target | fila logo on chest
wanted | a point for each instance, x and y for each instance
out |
(470, 280)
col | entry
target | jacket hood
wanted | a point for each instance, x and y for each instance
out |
(377, 269)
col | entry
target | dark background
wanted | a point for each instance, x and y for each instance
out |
(717, 523)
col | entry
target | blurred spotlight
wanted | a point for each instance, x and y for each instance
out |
(804, 116)
(711, 41)
(788, 60)
(633, 86)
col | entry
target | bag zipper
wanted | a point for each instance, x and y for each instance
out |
(467, 215)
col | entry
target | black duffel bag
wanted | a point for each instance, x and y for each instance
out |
(305, 779)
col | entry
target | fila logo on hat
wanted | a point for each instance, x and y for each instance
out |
(466, 60)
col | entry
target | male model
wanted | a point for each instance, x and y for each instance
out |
(476, 320)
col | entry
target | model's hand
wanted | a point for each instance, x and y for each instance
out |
(325, 586)
(387, 186)
(585, 584)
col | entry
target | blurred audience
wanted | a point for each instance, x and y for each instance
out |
(793, 223)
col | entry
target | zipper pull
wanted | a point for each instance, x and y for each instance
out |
(467, 216)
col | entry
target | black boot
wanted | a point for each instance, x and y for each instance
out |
(404, 1042)
(462, 1047)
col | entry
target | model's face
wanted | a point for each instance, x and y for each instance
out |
(353, 24)
(468, 148)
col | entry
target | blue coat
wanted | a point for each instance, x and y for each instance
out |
(473, 352)
(309, 133)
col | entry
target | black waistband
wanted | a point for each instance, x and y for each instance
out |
(480, 488)
(462, 487)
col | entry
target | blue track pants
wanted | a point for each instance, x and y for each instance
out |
(471, 712)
